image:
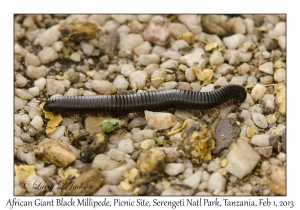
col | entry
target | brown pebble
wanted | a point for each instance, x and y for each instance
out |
(214, 24)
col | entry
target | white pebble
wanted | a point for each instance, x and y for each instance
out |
(36, 72)
(144, 48)
(103, 162)
(143, 135)
(130, 41)
(259, 120)
(20, 81)
(282, 42)
(87, 48)
(37, 123)
(127, 69)
(172, 55)
(239, 80)
(102, 86)
(49, 36)
(258, 92)
(241, 159)
(75, 56)
(216, 58)
(40, 83)
(147, 59)
(138, 79)
(232, 42)
(214, 165)
(57, 46)
(267, 68)
(207, 88)
(281, 156)
(193, 57)
(244, 68)
(126, 145)
(174, 169)
(120, 82)
(216, 182)
(32, 59)
(54, 86)
(193, 180)
(160, 120)
(36, 179)
(159, 50)
(190, 75)
(22, 119)
(117, 155)
(23, 94)
(47, 55)
(260, 140)
(279, 75)
(47, 171)
(34, 91)
(221, 82)
(58, 133)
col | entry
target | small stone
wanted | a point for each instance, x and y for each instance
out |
(176, 29)
(224, 69)
(179, 44)
(168, 86)
(280, 28)
(47, 55)
(267, 68)
(127, 69)
(238, 25)
(144, 48)
(143, 135)
(174, 169)
(192, 22)
(129, 41)
(151, 161)
(37, 123)
(190, 75)
(126, 145)
(275, 178)
(169, 64)
(104, 162)
(160, 120)
(279, 75)
(40, 83)
(35, 179)
(157, 34)
(244, 68)
(260, 140)
(207, 88)
(116, 154)
(21, 119)
(260, 120)
(241, 159)
(216, 182)
(54, 86)
(75, 56)
(49, 36)
(232, 42)
(58, 46)
(32, 59)
(270, 44)
(226, 131)
(36, 72)
(158, 77)
(216, 58)
(58, 133)
(274, 141)
(193, 57)
(147, 59)
(239, 80)
(56, 152)
(121, 18)
(102, 86)
(264, 151)
(183, 86)
(34, 91)
(19, 103)
(120, 83)
(281, 156)
(284, 140)
(282, 42)
(266, 80)
(214, 165)
(171, 191)
(138, 79)
(87, 48)
(258, 92)
(23, 94)
(193, 180)
(221, 82)
(21, 81)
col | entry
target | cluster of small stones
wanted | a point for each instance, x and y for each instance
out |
(137, 53)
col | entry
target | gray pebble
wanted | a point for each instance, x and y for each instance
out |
(260, 140)
(22, 119)
(275, 141)
(126, 145)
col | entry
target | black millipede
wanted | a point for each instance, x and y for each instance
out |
(151, 101)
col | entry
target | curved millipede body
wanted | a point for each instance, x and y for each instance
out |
(152, 101)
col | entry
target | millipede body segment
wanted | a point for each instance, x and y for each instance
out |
(152, 101)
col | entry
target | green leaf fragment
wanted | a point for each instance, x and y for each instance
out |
(110, 125)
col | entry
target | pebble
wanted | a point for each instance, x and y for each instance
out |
(121, 18)
(193, 180)
(147, 59)
(258, 92)
(143, 135)
(274, 141)
(160, 120)
(171, 191)
(48, 37)
(281, 156)
(267, 68)
(216, 58)
(244, 68)
(249, 25)
(158, 77)
(226, 131)
(104, 162)
(36, 72)
(246, 188)
(54, 86)
(47, 55)
(102, 86)
(36, 179)
(23, 94)
(126, 145)
(138, 79)
(117, 155)
(56, 152)
(127, 69)
(120, 83)
(34, 91)
(193, 57)
(58, 133)
(216, 182)
(207, 88)
(266, 80)
(214, 165)
(174, 169)
(241, 159)
(129, 41)
(265, 151)
(172, 55)
(87, 48)
(75, 56)
(279, 75)
(58, 46)
(224, 69)
(221, 82)
(190, 75)
(32, 59)
(239, 80)
(259, 120)
(144, 48)
(176, 29)
(280, 28)
(157, 34)
(37, 123)
(238, 25)
(110, 26)
(115, 176)
(232, 42)
(260, 140)
(282, 42)
(47, 171)
(21, 81)
(26, 156)
(169, 64)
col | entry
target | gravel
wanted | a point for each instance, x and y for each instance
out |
(130, 54)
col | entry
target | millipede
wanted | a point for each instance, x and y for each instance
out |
(151, 101)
